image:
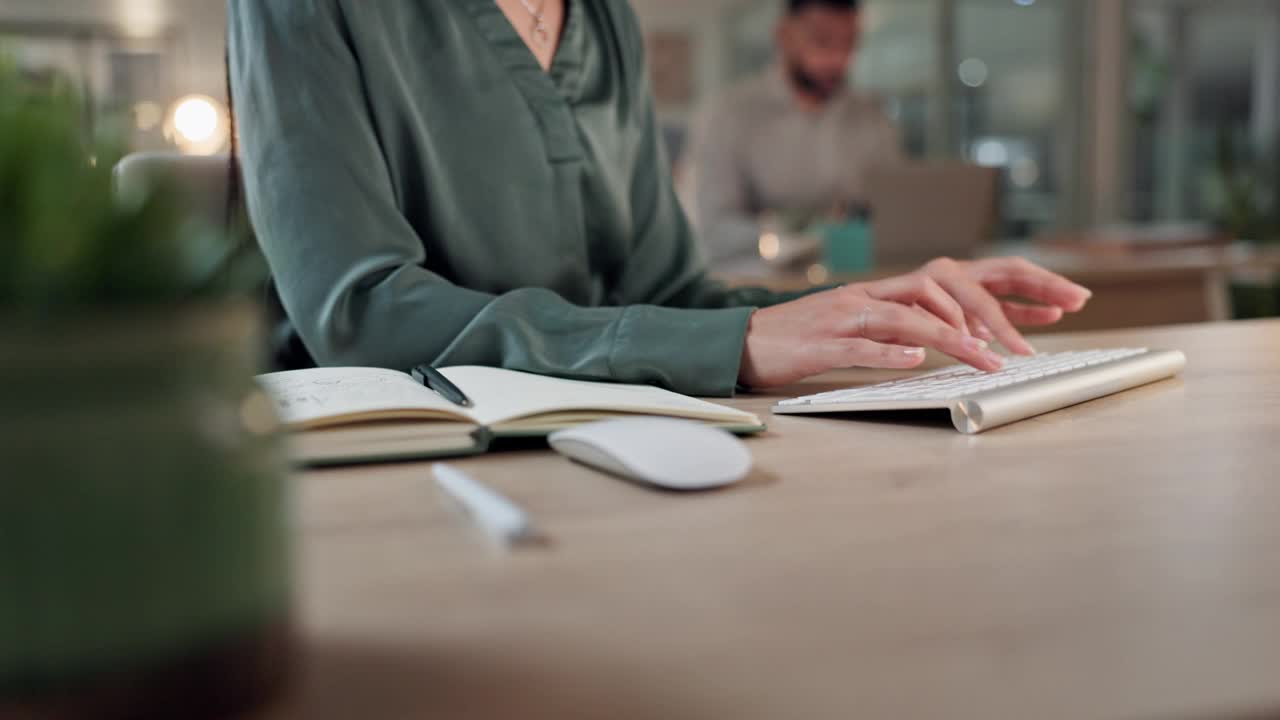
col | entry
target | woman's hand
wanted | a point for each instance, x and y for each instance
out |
(947, 305)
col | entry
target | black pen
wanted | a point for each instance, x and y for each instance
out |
(433, 379)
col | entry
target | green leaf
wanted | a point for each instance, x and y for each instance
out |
(65, 240)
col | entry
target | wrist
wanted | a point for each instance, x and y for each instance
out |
(746, 362)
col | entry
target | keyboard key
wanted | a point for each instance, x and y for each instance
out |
(954, 383)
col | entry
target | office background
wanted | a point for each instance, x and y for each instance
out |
(1098, 111)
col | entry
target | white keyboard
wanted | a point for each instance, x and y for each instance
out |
(1027, 386)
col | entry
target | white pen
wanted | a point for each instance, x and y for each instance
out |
(500, 519)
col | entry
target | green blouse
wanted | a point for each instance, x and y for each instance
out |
(425, 192)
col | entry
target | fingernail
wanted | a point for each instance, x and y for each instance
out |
(993, 358)
(973, 344)
(914, 353)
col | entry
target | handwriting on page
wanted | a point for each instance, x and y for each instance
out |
(327, 391)
(312, 394)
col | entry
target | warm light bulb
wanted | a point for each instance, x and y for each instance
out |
(196, 119)
(198, 125)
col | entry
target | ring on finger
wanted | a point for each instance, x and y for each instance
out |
(863, 316)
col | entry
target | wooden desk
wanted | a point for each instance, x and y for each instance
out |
(1120, 559)
(1136, 289)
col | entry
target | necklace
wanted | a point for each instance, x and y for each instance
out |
(541, 34)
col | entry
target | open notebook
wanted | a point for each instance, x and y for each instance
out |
(348, 415)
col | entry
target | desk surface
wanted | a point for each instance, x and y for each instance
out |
(1117, 559)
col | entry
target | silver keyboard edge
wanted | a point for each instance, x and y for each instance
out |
(995, 408)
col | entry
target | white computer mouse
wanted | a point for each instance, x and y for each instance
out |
(672, 454)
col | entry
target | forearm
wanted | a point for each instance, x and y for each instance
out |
(534, 330)
(707, 292)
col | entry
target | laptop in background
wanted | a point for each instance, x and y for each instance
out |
(921, 211)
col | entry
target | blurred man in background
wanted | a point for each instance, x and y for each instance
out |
(791, 147)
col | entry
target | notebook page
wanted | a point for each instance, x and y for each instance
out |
(308, 397)
(504, 395)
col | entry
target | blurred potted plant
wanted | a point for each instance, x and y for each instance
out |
(1248, 190)
(1247, 194)
(143, 553)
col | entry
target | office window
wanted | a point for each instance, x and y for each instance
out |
(1010, 76)
(1205, 79)
(898, 61)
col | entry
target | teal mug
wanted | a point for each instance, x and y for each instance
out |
(847, 246)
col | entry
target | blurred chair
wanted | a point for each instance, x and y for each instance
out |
(203, 180)
(211, 200)
(206, 184)
(920, 211)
